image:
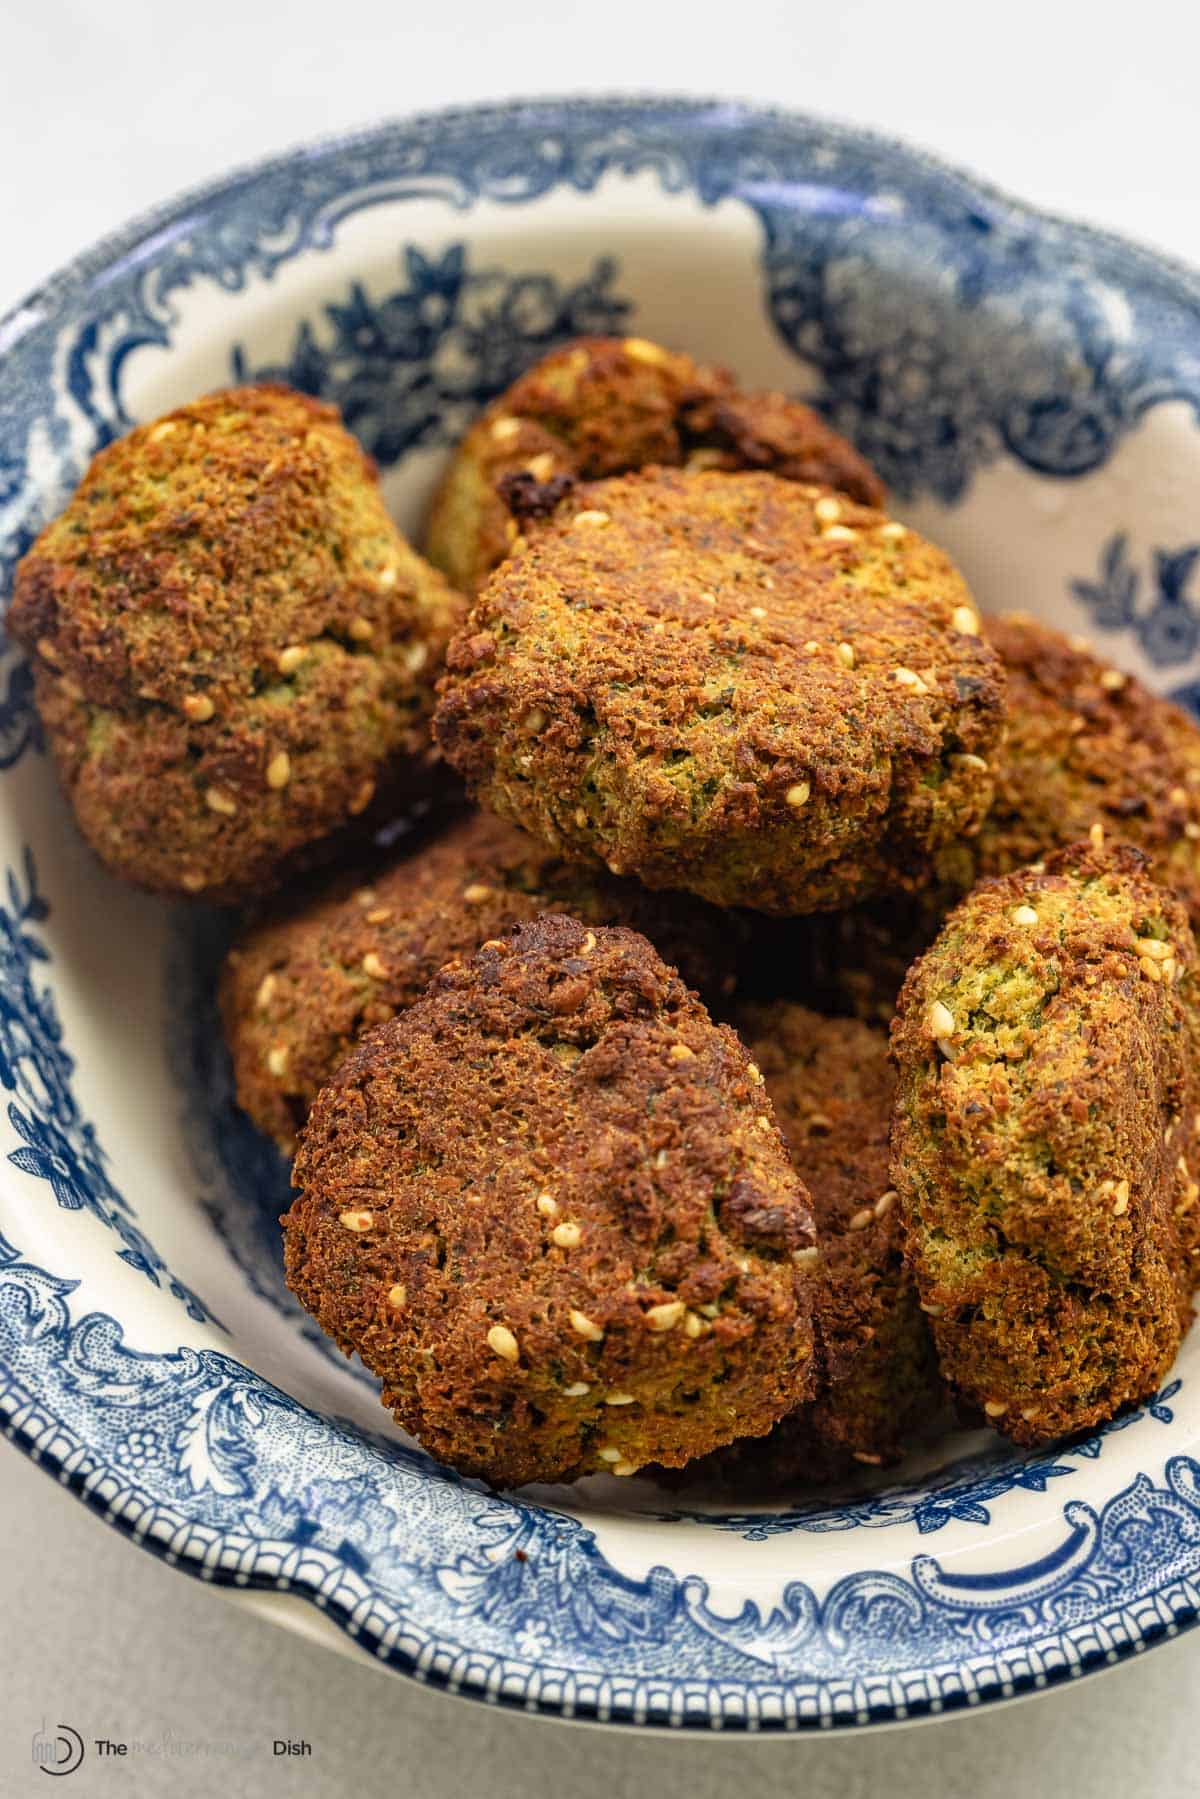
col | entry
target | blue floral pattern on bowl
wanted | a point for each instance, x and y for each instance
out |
(415, 366)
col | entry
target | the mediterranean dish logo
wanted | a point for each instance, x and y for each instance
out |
(57, 1749)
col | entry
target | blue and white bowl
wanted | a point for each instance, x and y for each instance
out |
(1029, 390)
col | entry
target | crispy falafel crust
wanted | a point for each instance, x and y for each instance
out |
(232, 642)
(731, 684)
(1084, 744)
(831, 1083)
(603, 406)
(301, 986)
(1044, 1137)
(549, 1206)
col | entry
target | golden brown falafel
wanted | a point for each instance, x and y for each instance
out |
(604, 406)
(1046, 1048)
(831, 1083)
(549, 1206)
(1084, 744)
(727, 683)
(232, 642)
(832, 1086)
(300, 987)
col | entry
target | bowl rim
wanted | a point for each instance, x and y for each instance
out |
(50, 301)
(35, 308)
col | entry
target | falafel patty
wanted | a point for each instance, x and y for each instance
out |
(603, 406)
(832, 1086)
(755, 690)
(231, 641)
(1084, 744)
(300, 987)
(550, 1207)
(1046, 1052)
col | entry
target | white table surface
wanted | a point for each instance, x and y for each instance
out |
(106, 109)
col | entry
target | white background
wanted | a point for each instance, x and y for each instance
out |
(106, 107)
